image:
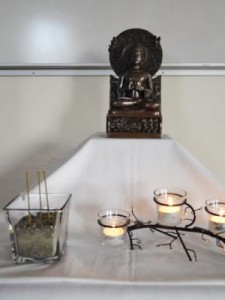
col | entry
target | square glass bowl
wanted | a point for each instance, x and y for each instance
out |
(37, 226)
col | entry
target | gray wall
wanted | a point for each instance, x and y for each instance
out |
(79, 31)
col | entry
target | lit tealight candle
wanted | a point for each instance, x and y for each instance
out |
(217, 223)
(113, 232)
(169, 209)
(216, 213)
(169, 215)
(113, 226)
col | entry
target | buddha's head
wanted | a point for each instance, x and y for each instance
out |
(138, 54)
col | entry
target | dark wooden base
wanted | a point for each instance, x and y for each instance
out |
(140, 125)
(128, 135)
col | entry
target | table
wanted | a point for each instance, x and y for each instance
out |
(122, 173)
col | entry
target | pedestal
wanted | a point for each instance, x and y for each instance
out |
(134, 125)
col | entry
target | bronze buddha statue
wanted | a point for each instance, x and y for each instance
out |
(135, 85)
(135, 56)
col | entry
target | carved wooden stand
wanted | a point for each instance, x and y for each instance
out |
(134, 125)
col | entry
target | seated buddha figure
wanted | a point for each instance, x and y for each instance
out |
(135, 86)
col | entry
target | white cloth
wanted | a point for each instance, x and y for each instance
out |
(120, 173)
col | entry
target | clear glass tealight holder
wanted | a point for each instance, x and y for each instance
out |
(38, 227)
(216, 215)
(170, 205)
(113, 225)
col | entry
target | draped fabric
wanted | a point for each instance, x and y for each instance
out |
(122, 173)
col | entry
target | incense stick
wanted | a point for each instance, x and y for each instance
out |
(46, 190)
(39, 188)
(28, 196)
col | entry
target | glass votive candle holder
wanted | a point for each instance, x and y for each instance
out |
(216, 215)
(169, 205)
(38, 234)
(113, 225)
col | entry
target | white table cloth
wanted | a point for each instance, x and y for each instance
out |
(120, 173)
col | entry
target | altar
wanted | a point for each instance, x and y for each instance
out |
(122, 173)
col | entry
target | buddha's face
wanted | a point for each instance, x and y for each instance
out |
(138, 56)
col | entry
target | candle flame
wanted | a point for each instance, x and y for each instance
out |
(222, 212)
(170, 201)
